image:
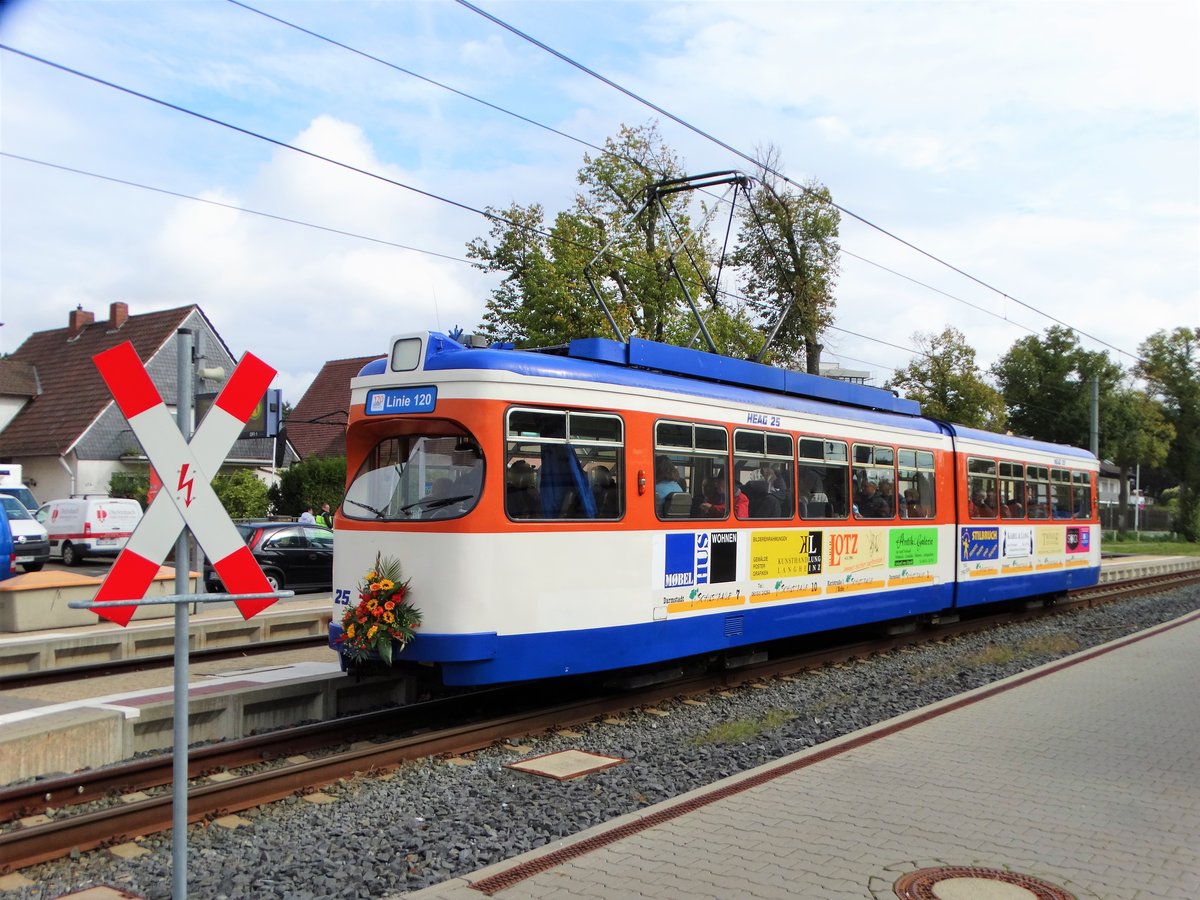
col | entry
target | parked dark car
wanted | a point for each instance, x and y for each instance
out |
(293, 556)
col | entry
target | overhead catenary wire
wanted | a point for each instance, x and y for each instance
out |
(604, 150)
(329, 160)
(761, 164)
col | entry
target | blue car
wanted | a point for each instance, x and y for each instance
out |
(7, 568)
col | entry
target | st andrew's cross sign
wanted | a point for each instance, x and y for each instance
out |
(187, 498)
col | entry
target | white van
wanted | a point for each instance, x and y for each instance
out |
(88, 526)
(31, 544)
(11, 483)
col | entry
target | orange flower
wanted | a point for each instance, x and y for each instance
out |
(374, 586)
(350, 630)
(391, 604)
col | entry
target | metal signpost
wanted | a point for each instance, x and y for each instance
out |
(186, 502)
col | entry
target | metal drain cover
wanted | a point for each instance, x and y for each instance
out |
(969, 883)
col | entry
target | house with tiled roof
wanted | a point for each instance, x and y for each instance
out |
(317, 424)
(58, 419)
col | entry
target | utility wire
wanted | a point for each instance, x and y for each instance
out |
(635, 162)
(231, 206)
(764, 167)
(435, 83)
(317, 156)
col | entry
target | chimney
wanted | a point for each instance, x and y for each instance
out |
(117, 314)
(79, 319)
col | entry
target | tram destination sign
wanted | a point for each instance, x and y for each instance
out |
(397, 401)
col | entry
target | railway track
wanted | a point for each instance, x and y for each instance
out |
(450, 725)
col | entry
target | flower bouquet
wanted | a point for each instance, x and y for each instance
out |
(383, 614)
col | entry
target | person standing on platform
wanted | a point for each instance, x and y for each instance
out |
(307, 517)
(325, 517)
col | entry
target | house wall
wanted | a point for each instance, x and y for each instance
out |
(45, 477)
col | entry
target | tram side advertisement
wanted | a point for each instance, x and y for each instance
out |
(703, 570)
(997, 550)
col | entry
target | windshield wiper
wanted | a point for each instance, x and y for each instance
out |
(379, 513)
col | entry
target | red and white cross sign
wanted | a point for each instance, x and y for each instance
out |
(187, 497)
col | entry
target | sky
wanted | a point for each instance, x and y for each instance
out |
(1039, 162)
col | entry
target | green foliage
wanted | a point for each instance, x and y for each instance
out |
(242, 494)
(544, 297)
(130, 486)
(737, 731)
(1138, 434)
(309, 482)
(790, 259)
(1046, 383)
(1170, 364)
(948, 384)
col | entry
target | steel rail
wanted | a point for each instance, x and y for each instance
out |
(21, 847)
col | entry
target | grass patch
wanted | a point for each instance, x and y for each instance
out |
(742, 730)
(1150, 548)
(827, 703)
(996, 655)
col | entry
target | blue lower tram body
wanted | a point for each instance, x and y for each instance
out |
(490, 658)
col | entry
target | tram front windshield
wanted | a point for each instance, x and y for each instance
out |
(417, 476)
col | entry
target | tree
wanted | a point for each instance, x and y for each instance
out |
(1046, 384)
(1139, 434)
(948, 384)
(130, 485)
(1170, 364)
(789, 254)
(242, 494)
(309, 482)
(545, 298)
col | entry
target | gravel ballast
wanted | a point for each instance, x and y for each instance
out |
(432, 820)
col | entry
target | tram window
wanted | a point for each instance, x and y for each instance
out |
(981, 488)
(824, 470)
(916, 484)
(1037, 492)
(762, 470)
(874, 482)
(563, 464)
(1060, 483)
(691, 471)
(1082, 491)
(406, 354)
(1012, 490)
(417, 476)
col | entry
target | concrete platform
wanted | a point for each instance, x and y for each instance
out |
(45, 738)
(1078, 779)
(85, 639)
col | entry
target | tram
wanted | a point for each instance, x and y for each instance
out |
(614, 505)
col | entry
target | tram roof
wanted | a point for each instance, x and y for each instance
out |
(648, 364)
(656, 366)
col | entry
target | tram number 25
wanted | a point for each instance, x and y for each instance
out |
(341, 597)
